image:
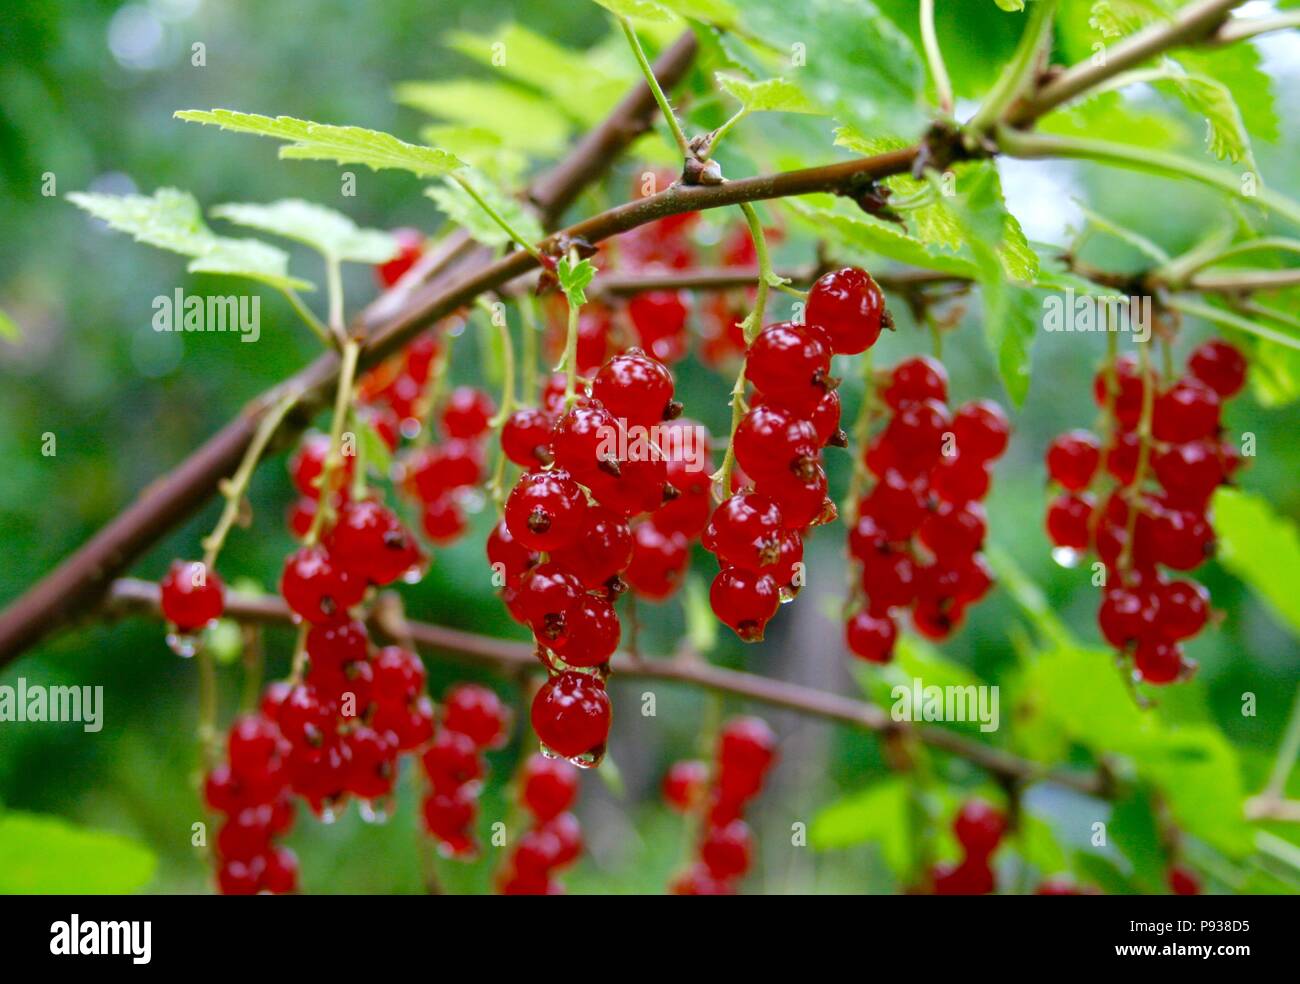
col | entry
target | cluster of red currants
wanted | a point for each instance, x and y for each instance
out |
(919, 531)
(979, 828)
(548, 788)
(437, 475)
(565, 541)
(746, 751)
(757, 532)
(1171, 434)
(473, 721)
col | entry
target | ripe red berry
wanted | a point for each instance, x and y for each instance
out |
(685, 784)
(549, 787)
(435, 470)
(545, 510)
(512, 556)
(1183, 880)
(789, 364)
(771, 442)
(410, 246)
(982, 430)
(467, 412)
(1219, 366)
(591, 633)
(745, 531)
(1120, 388)
(452, 760)
(954, 533)
(602, 551)
(916, 434)
(1184, 609)
(1190, 472)
(1182, 539)
(871, 637)
(659, 559)
(1126, 615)
(889, 579)
(571, 715)
(477, 712)
(1188, 410)
(192, 596)
(746, 751)
(526, 437)
(959, 479)
(1158, 661)
(744, 600)
(1068, 517)
(848, 306)
(1072, 460)
(318, 589)
(370, 543)
(726, 850)
(918, 378)
(897, 504)
(979, 827)
(636, 388)
(442, 520)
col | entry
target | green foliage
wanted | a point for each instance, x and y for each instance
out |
(461, 208)
(322, 142)
(330, 233)
(879, 814)
(8, 327)
(1262, 548)
(574, 278)
(769, 95)
(48, 855)
(171, 220)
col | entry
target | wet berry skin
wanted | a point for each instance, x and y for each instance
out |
(848, 306)
(192, 596)
(571, 715)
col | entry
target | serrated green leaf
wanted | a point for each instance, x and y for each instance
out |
(341, 144)
(769, 95)
(8, 327)
(460, 207)
(170, 219)
(879, 814)
(1226, 135)
(328, 232)
(574, 279)
(522, 119)
(1261, 548)
(1240, 68)
(47, 855)
(646, 10)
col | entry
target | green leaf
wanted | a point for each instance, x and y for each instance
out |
(498, 107)
(1011, 6)
(720, 13)
(880, 814)
(1261, 548)
(8, 327)
(768, 96)
(574, 279)
(47, 855)
(460, 207)
(328, 232)
(1226, 135)
(374, 449)
(170, 219)
(1240, 68)
(1134, 833)
(638, 9)
(341, 144)
(1199, 777)
(1038, 845)
(701, 625)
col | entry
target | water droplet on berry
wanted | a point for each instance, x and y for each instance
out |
(1066, 556)
(183, 644)
(376, 811)
(410, 428)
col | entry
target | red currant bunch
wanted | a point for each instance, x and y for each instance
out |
(473, 720)
(746, 752)
(410, 247)
(979, 828)
(547, 790)
(1141, 501)
(918, 531)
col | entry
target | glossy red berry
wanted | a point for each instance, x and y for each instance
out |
(545, 510)
(915, 379)
(635, 387)
(1219, 366)
(848, 306)
(317, 588)
(790, 365)
(452, 760)
(549, 787)
(659, 559)
(1184, 609)
(1068, 518)
(979, 827)
(1072, 460)
(477, 712)
(507, 555)
(726, 850)
(1188, 410)
(685, 784)
(370, 543)
(526, 437)
(191, 595)
(1158, 661)
(602, 550)
(981, 429)
(871, 637)
(746, 751)
(1120, 388)
(591, 633)
(771, 441)
(745, 531)
(1183, 880)
(744, 600)
(442, 520)
(571, 715)
(467, 412)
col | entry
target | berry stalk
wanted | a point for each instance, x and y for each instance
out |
(334, 458)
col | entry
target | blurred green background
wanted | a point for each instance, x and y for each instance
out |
(89, 89)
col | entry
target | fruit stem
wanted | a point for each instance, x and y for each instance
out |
(497, 318)
(861, 434)
(664, 106)
(720, 481)
(1144, 454)
(334, 282)
(313, 322)
(234, 488)
(571, 347)
(299, 665)
(207, 728)
(1019, 72)
(496, 216)
(716, 136)
(334, 458)
(433, 391)
(934, 58)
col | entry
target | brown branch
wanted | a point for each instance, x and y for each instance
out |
(132, 596)
(619, 284)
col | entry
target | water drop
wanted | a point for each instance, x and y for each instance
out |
(1066, 556)
(183, 644)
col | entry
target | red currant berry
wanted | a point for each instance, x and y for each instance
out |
(467, 413)
(871, 637)
(192, 596)
(1181, 539)
(591, 633)
(442, 520)
(685, 784)
(745, 531)
(504, 550)
(1072, 460)
(1183, 880)
(1219, 366)
(549, 787)
(1125, 615)
(1190, 472)
(958, 479)
(1068, 519)
(636, 388)
(571, 715)
(659, 559)
(889, 579)
(954, 533)
(1158, 661)
(452, 760)
(1184, 610)
(369, 542)
(773, 442)
(1120, 388)
(410, 246)
(848, 306)
(545, 510)
(745, 601)
(478, 712)
(790, 365)
(746, 751)
(979, 828)
(526, 437)
(1188, 410)
(916, 379)
(982, 430)
(726, 850)
(318, 589)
